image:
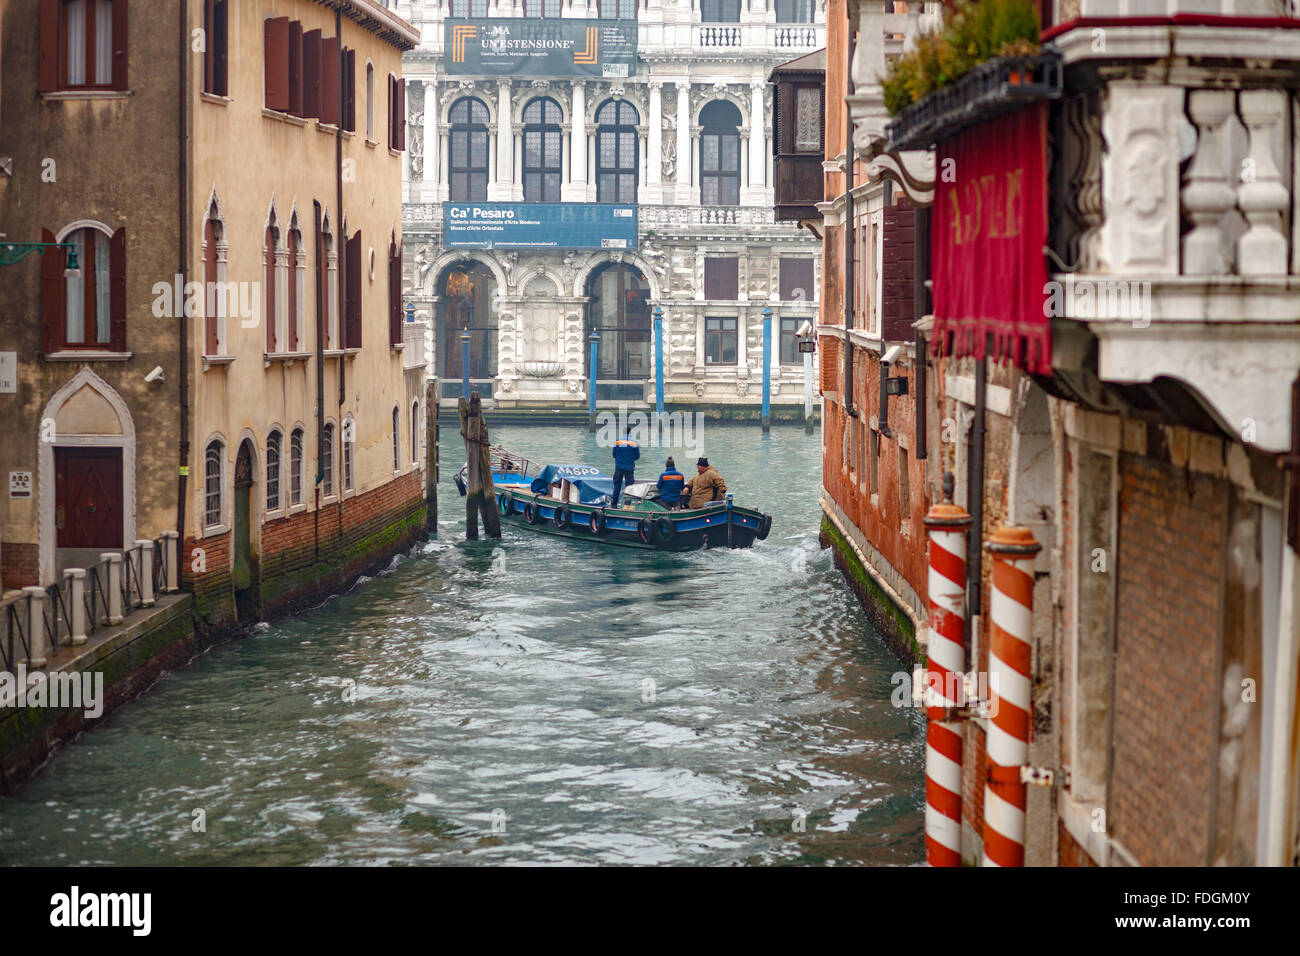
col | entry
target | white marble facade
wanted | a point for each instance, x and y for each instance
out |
(542, 298)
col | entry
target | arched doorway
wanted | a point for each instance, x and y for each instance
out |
(467, 300)
(619, 307)
(243, 574)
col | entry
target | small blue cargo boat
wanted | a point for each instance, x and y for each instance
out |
(573, 501)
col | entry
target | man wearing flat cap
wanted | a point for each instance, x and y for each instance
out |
(706, 486)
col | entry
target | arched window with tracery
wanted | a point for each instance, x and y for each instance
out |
(543, 150)
(467, 167)
(616, 152)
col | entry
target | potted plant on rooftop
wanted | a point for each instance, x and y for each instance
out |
(979, 31)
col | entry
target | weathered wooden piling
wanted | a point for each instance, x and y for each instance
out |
(480, 495)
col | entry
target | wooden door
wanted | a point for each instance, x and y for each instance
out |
(88, 498)
(243, 569)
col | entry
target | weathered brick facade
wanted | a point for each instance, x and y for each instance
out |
(1170, 568)
(303, 558)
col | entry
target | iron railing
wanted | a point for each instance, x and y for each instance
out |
(67, 611)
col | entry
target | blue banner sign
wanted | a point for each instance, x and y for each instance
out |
(554, 225)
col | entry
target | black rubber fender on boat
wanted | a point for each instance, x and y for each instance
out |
(531, 513)
(506, 503)
(764, 527)
(643, 529)
(596, 523)
(664, 530)
(561, 517)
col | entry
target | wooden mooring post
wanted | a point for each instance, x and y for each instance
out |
(480, 496)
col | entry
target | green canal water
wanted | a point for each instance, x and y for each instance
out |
(529, 701)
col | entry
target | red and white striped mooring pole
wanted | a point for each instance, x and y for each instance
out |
(944, 686)
(1011, 613)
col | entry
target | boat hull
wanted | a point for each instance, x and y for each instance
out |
(715, 527)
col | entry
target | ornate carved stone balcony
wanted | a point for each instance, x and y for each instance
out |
(1174, 235)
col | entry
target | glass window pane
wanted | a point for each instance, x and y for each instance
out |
(103, 287)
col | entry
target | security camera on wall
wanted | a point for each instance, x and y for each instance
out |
(805, 329)
(157, 375)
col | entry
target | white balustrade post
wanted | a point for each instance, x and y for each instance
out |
(35, 625)
(1207, 194)
(111, 561)
(146, 572)
(171, 558)
(76, 592)
(1262, 195)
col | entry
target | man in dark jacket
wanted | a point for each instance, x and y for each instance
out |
(671, 483)
(706, 486)
(626, 452)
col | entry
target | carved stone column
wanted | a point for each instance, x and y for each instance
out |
(502, 189)
(653, 192)
(575, 190)
(685, 160)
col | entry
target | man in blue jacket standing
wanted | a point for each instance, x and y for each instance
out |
(671, 483)
(626, 452)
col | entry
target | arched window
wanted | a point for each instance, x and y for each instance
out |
(415, 433)
(273, 441)
(271, 245)
(619, 306)
(370, 102)
(297, 270)
(215, 306)
(87, 295)
(616, 148)
(331, 261)
(349, 446)
(327, 460)
(469, 303)
(295, 467)
(397, 440)
(468, 162)
(542, 151)
(542, 9)
(720, 154)
(720, 11)
(212, 479)
(795, 11)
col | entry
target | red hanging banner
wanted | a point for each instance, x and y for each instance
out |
(989, 230)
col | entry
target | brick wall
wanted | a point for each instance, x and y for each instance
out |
(1172, 529)
(19, 564)
(305, 556)
(1071, 853)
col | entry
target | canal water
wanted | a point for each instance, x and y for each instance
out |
(529, 701)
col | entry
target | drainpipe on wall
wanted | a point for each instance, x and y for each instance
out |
(338, 189)
(183, 377)
(322, 286)
(849, 269)
(975, 505)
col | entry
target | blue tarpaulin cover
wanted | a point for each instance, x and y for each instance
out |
(593, 487)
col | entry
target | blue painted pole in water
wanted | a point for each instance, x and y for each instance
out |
(767, 367)
(591, 380)
(464, 363)
(659, 360)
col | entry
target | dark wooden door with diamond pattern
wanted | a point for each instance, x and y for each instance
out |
(88, 497)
